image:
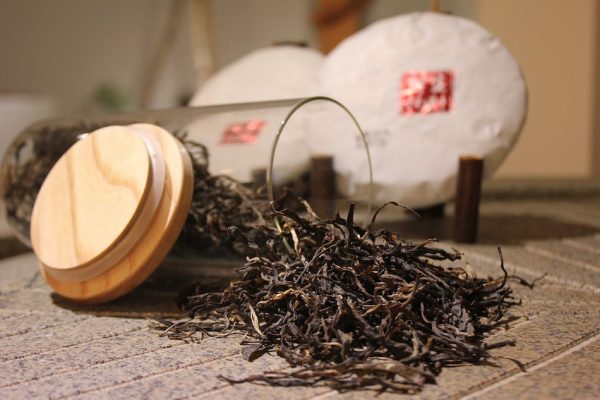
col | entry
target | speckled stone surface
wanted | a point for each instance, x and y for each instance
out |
(51, 348)
(572, 375)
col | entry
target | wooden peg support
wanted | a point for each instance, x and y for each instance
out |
(322, 185)
(432, 212)
(468, 193)
(259, 177)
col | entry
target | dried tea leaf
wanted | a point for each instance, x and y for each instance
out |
(351, 308)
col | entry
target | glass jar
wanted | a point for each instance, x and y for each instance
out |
(240, 139)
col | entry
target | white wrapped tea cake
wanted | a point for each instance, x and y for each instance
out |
(276, 72)
(241, 142)
(427, 88)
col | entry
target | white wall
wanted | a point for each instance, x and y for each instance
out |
(68, 48)
(242, 26)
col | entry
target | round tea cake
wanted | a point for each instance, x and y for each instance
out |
(270, 73)
(240, 142)
(426, 88)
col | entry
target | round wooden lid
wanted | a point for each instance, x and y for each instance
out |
(90, 198)
(110, 210)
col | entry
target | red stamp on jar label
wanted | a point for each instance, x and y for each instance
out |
(242, 132)
(426, 92)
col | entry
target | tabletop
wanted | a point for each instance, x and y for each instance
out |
(51, 348)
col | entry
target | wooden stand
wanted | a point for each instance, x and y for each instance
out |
(468, 191)
(336, 20)
(322, 185)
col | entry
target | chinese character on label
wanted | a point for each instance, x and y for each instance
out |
(425, 92)
(242, 132)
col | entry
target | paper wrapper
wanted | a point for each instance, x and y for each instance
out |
(240, 142)
(427, 88)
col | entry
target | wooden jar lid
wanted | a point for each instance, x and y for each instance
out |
(110, 210)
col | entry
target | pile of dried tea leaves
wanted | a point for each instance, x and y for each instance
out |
(350, 307)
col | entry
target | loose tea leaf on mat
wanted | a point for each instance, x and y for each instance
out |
(349, 307)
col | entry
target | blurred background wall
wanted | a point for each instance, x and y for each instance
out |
(76, 50)
(86, 54)
(557, 44)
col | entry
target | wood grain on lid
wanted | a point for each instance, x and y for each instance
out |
(90, 198)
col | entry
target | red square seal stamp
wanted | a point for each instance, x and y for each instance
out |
(242, 132)
(425, 92)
